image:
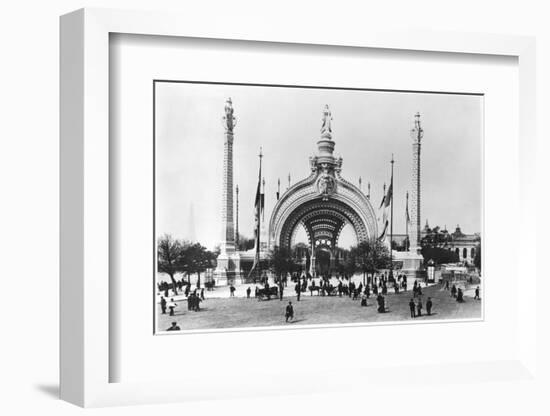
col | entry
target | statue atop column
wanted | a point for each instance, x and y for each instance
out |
(326, 128)
(417, 133)
(229, 119)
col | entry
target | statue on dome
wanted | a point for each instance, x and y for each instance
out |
(326, 128)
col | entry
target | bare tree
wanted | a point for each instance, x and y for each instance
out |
(169, 261)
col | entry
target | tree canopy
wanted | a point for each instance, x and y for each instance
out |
(369, 257)
(179, 256)
(280, 261)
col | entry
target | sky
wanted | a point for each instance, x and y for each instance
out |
(368, 127)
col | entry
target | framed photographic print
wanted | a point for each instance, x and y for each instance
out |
(292, 199)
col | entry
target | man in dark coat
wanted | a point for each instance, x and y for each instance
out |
(477, 294)
(453, 291)
(248, 292)
(381, 304)
(163, 305)
(289, 313)
(460, 296)
(412, 308)
(429, 305)
(419, 307)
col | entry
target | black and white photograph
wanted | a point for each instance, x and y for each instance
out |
(284, 206)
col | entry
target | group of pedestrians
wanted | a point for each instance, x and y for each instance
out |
(170, 306)
(416, 307)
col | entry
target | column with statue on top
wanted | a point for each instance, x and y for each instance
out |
(228, 262)
(412, 259)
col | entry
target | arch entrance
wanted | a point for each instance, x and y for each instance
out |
(323, 203)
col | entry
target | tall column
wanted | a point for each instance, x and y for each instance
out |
(228, 262)
(416, 134)
(227, 245)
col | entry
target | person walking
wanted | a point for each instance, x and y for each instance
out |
(289, 312)
(412, 308)
(202, 294)
(477, 294)
(163, 305)
(460, 296)
(381, 304)
(419, 307)
(231, 291)
(453, 291)
(248, 290)
(429, 305)
(364, 300)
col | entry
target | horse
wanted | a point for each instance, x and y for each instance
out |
(273, 291)
(314, 288)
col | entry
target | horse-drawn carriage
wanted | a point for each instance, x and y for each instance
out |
(325, 290)
(267, 293)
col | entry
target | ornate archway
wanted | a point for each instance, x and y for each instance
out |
(323, 203)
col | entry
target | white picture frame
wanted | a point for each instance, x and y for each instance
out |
(85, 223)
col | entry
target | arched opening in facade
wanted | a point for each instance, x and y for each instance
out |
(323, 204)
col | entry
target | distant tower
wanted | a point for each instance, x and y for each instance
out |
(228, 263)
(417, 133)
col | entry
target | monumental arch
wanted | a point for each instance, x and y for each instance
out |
(323, 203)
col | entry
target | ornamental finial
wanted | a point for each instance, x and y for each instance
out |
(417, 132)
(229, 119)
(326, 127)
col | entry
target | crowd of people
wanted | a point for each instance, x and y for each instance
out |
(377, 285)
(193, 302)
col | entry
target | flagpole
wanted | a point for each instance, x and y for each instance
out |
(259, 224)
(391, 219)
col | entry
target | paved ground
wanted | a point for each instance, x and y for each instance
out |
(225, 312)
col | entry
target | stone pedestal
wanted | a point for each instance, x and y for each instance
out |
(412, 264)
(228, 269)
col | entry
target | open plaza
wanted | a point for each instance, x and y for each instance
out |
(221, 310)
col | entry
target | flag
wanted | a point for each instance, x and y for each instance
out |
(258, 208)
(389, 196)
(383, 201)
(384, 231)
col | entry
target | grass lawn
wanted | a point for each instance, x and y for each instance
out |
(311, 310)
